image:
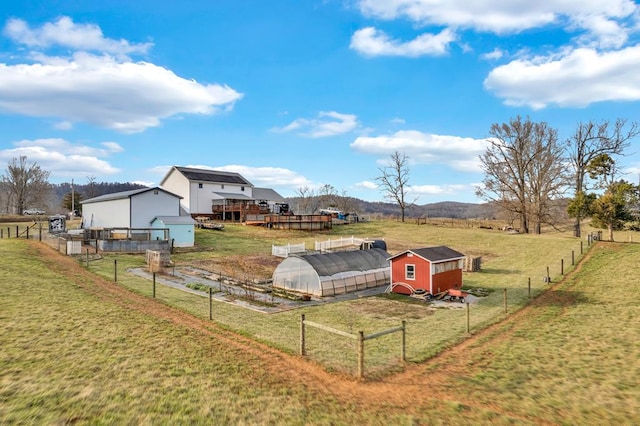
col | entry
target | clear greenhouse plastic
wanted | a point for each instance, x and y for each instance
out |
(330, 274)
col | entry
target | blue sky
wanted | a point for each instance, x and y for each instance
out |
(305, 93)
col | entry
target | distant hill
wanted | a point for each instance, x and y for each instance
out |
(448, 209)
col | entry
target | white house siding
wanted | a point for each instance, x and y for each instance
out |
(178, 184)
(107, 214)
(147, 205)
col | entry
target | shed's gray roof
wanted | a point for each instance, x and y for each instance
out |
(217, 176)
(125, 194)
(175, 220)
(434, 254)
(267, 194)
(327, 264)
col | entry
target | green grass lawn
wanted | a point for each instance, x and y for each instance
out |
(68, 355)
(509, 262)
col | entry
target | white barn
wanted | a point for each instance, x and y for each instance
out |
(139, 209)
(129, 209)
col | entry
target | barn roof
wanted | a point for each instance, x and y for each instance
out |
(327, 264)
(267, 194)
(124, 194)
(434, 254)
(217, 176)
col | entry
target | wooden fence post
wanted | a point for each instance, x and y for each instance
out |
(468, 319)
(505, 300)
(210, 303)
(302, 348)
(581, 247)
(360, 354)
(529, 287)
(115, 270)
(403, 353)
(154, 285)
(561, 266)
(573, 258)
(548, 276)
(87, 258)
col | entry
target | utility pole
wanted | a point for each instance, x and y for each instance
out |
(73, 201)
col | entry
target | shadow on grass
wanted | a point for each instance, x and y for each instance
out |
(561, 299)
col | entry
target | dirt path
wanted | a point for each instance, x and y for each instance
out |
(391, 391)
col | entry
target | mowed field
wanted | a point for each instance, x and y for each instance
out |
(78, 348)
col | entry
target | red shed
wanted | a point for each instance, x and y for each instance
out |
(432, 269)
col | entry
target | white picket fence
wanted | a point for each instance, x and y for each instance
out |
(339, 243)
(284, 251)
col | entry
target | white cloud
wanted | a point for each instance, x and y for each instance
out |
(372, 42)
(100, 89)
(367, 184)
(64, 159)
(453, 151)
(113, 146)
(574, 79)
(500, 17)
(63, 125)
(397, 120)
(65, 33)
(328, 123)
(494, 54)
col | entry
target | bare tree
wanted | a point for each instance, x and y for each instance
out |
(546, 176)
(92, 190)
(393, 181)
(26, 184)
(327, 195)
(306, 196)
(589, 141)
(523, 170)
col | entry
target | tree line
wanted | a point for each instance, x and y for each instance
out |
(25, 185)
(528, 173)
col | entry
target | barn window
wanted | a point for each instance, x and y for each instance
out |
(222, 186)
(410, 272)
(200, 185)
(155, 191)
(242, 188)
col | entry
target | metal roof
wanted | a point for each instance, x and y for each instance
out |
(125, 194)
(174, 220)
(327, 264)
(216, 176)
(434, 254)
(267, 194)
(230, 196)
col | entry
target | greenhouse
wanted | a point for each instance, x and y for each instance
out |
(329, 274)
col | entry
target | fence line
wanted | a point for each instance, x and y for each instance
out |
(284, 251)
(340, 242)
(360, 337)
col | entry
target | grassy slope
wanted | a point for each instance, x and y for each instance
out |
(65, 355)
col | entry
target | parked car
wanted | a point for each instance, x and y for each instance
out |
(33, 211)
